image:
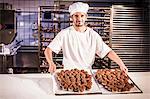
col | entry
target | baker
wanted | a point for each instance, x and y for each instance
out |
(79, 43)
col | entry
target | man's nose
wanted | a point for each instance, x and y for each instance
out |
(79, 17)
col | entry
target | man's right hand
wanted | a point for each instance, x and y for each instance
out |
(52, 68)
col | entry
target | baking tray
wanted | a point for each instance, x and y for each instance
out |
(94, 89)
(135, 89)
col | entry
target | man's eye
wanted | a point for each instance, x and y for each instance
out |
(76, 15)
(82, 15)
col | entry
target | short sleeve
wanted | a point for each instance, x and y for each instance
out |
(56, 43)
(101, 48)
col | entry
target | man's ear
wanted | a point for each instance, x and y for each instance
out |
(70, 18)
(86, 16)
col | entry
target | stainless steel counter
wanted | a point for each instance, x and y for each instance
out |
(39, 86)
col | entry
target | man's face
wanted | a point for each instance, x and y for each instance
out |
(79, 19)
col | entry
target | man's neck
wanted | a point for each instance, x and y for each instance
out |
(80, 29)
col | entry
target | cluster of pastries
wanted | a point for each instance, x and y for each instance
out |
(113, 80)
(74, 80)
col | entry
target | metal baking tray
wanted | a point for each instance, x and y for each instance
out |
(58, 91)
(135, 89)
(96, 87)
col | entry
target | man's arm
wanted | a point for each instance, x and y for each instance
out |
(49, 58)
(113, 56)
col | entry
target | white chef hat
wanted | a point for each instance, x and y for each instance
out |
(78, 7)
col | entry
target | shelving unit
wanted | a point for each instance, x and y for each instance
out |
(58, 18)
(51, 20)
(99, 18)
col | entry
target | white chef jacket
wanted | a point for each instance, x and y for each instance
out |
(79, 48)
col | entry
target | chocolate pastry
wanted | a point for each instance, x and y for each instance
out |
(113, 80)
(74, 80)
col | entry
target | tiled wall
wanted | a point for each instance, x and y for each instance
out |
(26, 16)
(25, 31)
(28, 5)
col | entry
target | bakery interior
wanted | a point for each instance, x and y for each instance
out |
(28, 26)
